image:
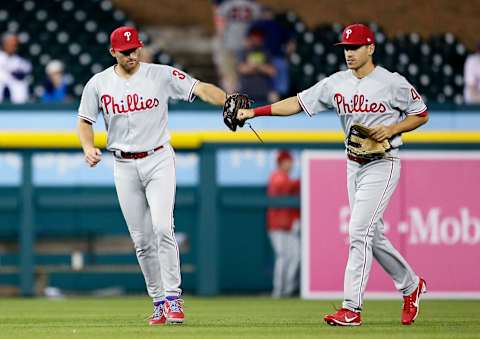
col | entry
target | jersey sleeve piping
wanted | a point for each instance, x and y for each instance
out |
(303, 105)
(191, 95)
(86, 118)
(421, 111)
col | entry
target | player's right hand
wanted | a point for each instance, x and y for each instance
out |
(381, 132)
(92, 156)
(244, 114)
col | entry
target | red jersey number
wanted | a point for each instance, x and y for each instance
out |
(415, 95)
(178, 74)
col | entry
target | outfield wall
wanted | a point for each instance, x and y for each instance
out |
(47, 192)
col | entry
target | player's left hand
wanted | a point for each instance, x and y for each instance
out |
(381, 132)
(244, 114)
(233, 103)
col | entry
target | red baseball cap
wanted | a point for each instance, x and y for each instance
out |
(284, 155)
(357, 34)
(125, 38)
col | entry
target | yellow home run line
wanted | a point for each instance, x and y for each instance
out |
(194, 139)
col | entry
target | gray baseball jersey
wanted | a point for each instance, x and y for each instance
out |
(384, 98)
(135, 113)
(135, 109)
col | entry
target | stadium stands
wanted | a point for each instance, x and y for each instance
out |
(434, 66)
(75, 32)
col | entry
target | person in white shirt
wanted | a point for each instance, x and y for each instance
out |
(14, 71)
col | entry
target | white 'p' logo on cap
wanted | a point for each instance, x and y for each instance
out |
(127, 35)
(348, 32)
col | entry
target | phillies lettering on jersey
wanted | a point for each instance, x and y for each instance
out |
(133, 103)
(382, 97)
(135, 109)
(358, 104)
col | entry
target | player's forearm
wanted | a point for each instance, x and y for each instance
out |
(409, 124)
(85, 134)
(286, 107)
(210, 93)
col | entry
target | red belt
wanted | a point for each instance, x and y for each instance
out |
(361, 161)
(138, 155)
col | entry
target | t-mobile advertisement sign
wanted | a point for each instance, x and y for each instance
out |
(433, 219)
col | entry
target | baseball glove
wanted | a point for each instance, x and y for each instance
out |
(233, 103)
(359, 143)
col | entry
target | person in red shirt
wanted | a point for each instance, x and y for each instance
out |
(283, 225)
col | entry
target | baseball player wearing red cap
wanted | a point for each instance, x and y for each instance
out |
(133, 99)
(284, 228)
(389, 105)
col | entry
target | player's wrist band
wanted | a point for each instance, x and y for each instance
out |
(263, 110)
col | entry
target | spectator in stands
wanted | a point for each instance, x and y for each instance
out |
(14, 71)
(232, 19)
(55, 88)
(256, 70)
(283, 225)
(278, 43)
(472, 78)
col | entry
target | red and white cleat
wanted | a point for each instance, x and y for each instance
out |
(174, 310)
(411, 303)
(158, 315)
(343, 317)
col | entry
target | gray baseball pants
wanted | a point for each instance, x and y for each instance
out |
(146, 192)
(370, 187)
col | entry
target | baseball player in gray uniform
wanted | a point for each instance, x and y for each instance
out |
(133, 99)
(389, 105)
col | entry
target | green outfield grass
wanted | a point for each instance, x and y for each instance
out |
(228, 317)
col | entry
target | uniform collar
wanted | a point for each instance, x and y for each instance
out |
(139, 70)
